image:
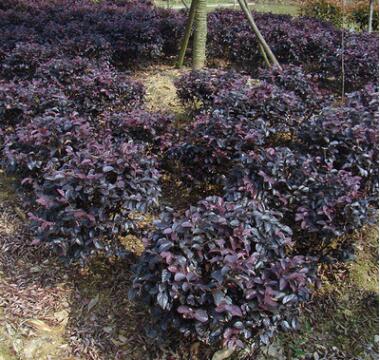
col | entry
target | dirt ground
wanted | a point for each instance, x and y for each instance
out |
(49, 310)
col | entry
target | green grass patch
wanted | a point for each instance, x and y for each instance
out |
(290, 9)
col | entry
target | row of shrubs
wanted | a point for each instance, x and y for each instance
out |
(73, 127)
(287, 167)
(283, 142)
(298, 172)
(129, 33)
(315, 45)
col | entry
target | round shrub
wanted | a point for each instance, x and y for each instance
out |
(23, 61)
(219, 272)
(348, 139)
(201, 88)
(45, 139)
(85, 203)
(233, 94)
(295, 79)
(214, 141)
(154, 129)
(318, 201)
(65, 70)
(24, 99)
(104, 90)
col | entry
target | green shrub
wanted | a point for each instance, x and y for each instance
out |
(356, 14)
(360, 15)
(324, 10)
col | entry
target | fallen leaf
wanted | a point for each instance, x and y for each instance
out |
(123, 339)
(222, 354)
(93, 303)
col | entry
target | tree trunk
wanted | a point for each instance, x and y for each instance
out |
(200, 35)
(186, 36)
(257, 32)
(370, 20)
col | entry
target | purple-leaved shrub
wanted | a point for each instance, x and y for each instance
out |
(220, 272)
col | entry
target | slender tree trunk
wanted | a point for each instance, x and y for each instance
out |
(186, 37)
(200, 35)
(264, 56)
(370, 20)
(257, 32)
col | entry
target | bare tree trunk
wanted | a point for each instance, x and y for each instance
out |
(264, 55)
(186, 37)
(257, 32)
(370, 20)
(200, 35)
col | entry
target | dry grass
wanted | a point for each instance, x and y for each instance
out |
(160, 89)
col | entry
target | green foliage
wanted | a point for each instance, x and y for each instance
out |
(324, 10)
(356, 14)
(360, 15)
